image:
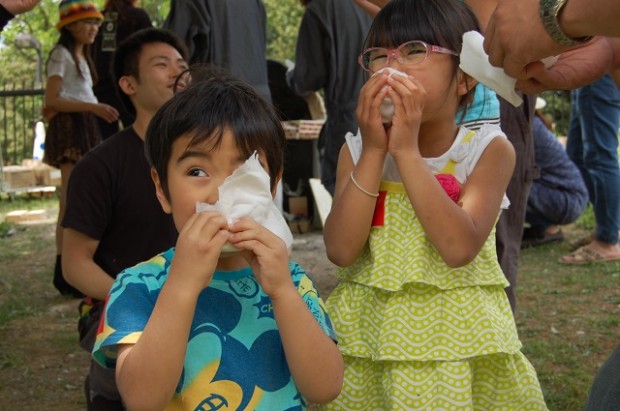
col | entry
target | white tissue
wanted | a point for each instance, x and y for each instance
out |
(387, 106)
(475, 62)
(246, 192)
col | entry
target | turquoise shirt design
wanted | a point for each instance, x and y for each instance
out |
(235, 359)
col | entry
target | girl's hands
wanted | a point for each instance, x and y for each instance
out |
(408, 96)
(198, 250)
(266, 253)
(106, 112)
(374, 134)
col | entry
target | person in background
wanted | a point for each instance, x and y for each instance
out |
(11, 8)
(559, 196)
(71, 107)
(420, 311)
(593, 145)
(231, 34)
(199, 327)
(113, 219)
(120, 19)
(329, 40)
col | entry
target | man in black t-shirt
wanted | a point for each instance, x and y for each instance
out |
(113, 218)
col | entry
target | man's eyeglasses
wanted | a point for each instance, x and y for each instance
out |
(409, 53)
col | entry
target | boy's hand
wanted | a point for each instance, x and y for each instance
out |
(198, 249)
(265, 252)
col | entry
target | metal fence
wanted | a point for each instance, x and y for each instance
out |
(20, 110)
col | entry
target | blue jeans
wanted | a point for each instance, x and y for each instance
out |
(593, 146)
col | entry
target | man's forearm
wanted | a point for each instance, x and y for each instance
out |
(580, 18)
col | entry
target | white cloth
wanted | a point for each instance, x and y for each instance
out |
(387, 106)
(475, 62)
(246, 192)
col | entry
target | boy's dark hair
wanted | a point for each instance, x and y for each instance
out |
(127, 56)
(208, 107)
(439, 22)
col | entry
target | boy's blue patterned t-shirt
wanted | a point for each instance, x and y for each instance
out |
(234, 357)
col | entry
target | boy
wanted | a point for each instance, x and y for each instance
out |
(193, 328)
(113, 219)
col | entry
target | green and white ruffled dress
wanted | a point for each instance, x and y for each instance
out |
(417, 334)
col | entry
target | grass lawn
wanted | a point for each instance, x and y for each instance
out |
(568, 318)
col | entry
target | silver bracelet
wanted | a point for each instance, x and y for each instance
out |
(361, 189)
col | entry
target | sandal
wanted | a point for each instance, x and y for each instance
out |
(533, 237)
(585, 255)
(581, 241)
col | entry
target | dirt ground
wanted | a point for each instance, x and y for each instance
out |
(45, 368)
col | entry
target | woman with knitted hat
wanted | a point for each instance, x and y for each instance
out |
(71, 107)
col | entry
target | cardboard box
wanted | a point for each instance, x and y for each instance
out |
(18, 176)
(298, 206)
(300, 225)
(45, 175)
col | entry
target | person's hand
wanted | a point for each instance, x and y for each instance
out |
(198, 250)
(16, 7)
(265, 252)
(409, 97)
(106, 112)
(574, 68)
(372, 7)
(368, 112)
(49, 113)
(515, 37)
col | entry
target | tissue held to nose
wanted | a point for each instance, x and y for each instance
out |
(246, 192)
(387, 106)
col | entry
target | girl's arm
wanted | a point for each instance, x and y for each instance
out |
(458, 231)
(348, 223)
(313, 358)
(56, 103)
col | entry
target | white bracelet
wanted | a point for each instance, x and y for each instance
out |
(361, 189)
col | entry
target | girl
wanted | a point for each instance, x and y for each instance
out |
(70, 105)
(420, 312)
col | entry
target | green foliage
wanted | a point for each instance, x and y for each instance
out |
(283, 18)
(558, 109)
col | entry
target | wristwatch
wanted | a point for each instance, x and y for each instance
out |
(549, 12)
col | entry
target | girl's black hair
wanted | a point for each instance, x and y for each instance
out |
(66, 39)
(204, 110)
(438, 22)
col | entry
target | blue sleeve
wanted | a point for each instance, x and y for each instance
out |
(313, 300)
(128, 308)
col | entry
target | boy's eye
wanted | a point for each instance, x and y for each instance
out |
(197, 172)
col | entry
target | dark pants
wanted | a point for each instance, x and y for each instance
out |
(100, 385)
(516, 123)
(605, 391)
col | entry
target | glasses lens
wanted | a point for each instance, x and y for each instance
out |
(375, 58)
(412, 52)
